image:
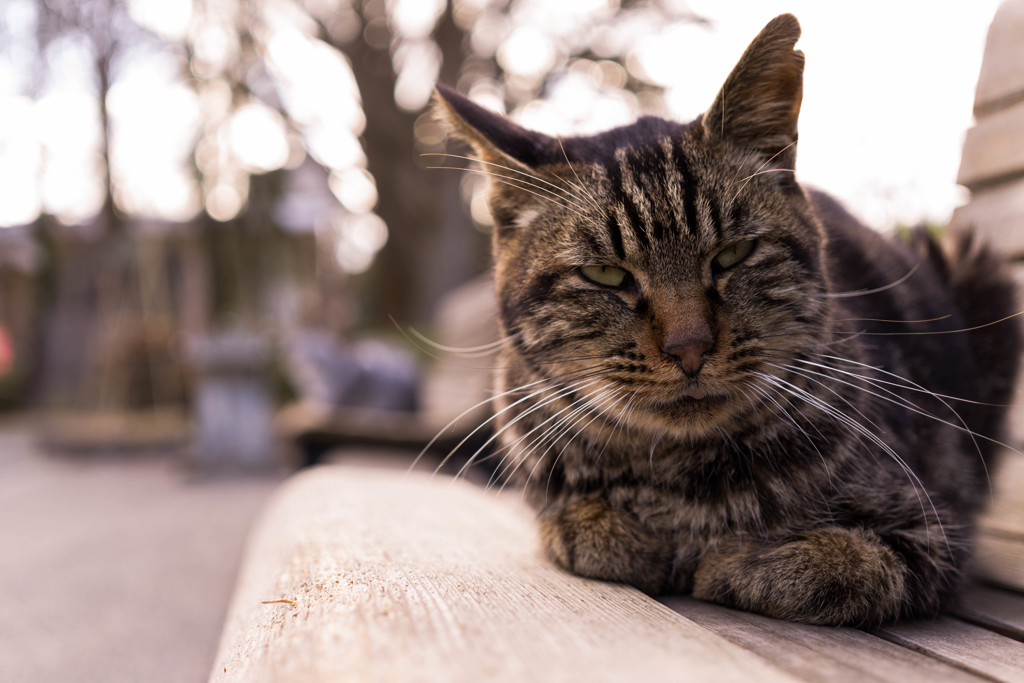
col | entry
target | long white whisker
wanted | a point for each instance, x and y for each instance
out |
(580, 186)
(765, 394)
(582, 401)
(533, 176)
(918, 485)
(562, 392)
(597, 413)
(876, 290)
(467, 351)
(561, 427)
(759, 169)
(566, 202)
(910, 405)
(483, 424)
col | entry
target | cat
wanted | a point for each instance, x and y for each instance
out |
(715, 381)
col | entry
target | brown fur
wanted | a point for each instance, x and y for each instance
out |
(774, 433)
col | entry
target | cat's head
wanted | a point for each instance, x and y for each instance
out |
(661, 265)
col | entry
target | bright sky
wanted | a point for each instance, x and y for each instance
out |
(888, 93)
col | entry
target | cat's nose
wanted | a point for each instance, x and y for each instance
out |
(689, 352)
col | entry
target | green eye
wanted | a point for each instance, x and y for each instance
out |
(608, 276)
(729, 257)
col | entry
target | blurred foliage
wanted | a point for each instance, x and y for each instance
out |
(184, 152)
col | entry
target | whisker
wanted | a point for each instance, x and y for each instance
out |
(841, 417)
(466, 351)
(876, 290)
(468, 411)
(597, 413)
(561, 393)
(567, 203)
(759, 170)
(581, 186)
(913, 386)
(959, 331)
(559, 428)
(533, 176)
(555, 417)
(907, 322)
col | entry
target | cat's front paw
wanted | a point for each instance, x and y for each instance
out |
(826, 576)
(592, 539)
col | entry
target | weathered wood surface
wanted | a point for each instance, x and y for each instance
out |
(815, 653)
(1000, 552)
(362, 574)
(994, 148)
(1002, 68)
(997, 214)
(383, 577)
(974, 648)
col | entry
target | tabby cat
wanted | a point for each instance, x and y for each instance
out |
(716, 381)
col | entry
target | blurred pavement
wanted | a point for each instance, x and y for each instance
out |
(114, 568)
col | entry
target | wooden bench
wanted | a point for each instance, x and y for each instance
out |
(366, 574)
(358, 574)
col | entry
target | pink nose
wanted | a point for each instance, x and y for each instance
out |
(688, 352)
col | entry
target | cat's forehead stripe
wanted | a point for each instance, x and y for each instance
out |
(659, 192)
(679, 163)
(615, 232)
(621, 198)
(716, 217)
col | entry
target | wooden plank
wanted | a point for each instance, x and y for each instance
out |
(971, 647)
(357, 574)
(994, 147)
(1005, 513)
(999, 559)
(1002, 67)
(997, 214)
(997, 610)
(817, 652)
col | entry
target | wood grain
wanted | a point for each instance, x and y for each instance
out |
(991, 211)
(398, 578)
(996, 610)
(971, 647)
(994, 147)
(818, 653)
(1002, 68)
(999, 557)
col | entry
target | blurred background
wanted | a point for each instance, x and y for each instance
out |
(221, 238)
(186, 184)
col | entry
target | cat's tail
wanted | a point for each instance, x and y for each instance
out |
(985, 295)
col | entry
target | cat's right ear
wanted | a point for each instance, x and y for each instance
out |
(494, 138)
(758, 106)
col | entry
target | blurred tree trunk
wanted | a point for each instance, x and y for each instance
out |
(433, 245)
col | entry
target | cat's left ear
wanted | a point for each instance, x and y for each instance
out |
(493, 137)
(759, 104)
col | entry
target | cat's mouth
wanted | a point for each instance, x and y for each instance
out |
(696, 393)
(692, 396)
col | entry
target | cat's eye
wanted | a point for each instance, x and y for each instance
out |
(730, 256)
(607, 276)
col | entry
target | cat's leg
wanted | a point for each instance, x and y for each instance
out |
(833, 575)
(592, 539)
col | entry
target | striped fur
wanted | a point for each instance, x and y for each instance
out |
(776, 433)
